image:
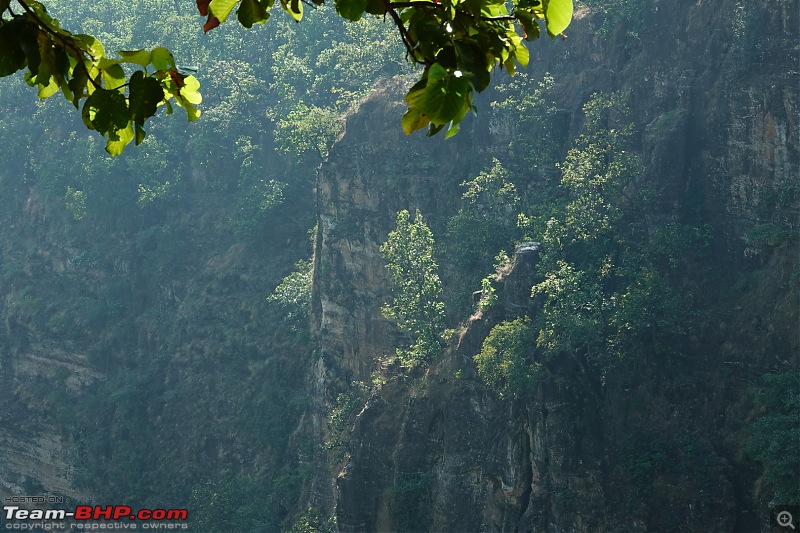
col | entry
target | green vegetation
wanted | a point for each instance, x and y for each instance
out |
(416, 305)
(526, 108)
(459, 43)
(115, 104)
(484, 224)
(238, 503)
(606, 287)
(626, 14)
(152, 269)
(775, 436)
(770, 235)
(144, 276)
(294, 292)
(503, 362)
(311, 522)
(608, 276)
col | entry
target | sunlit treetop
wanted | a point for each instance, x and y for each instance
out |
(457, 42)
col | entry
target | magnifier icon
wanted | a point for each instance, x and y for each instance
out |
(785, 519)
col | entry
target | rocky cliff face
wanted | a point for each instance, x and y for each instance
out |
(713, 89)
(133, 339)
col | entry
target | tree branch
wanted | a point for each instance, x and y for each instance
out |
(66, 42)
(407, 40)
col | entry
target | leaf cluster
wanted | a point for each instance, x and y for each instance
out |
(113, 102)
(459, 42)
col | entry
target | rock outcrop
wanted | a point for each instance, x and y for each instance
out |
(713, 90)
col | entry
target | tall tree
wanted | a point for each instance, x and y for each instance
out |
(416, 304)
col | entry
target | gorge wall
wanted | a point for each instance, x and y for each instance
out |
(140, 362)
(713, 91)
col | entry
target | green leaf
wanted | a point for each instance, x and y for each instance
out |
(46, 91)
(447, 96)
(137, 57)
(452, 130)
(428, 32)
(437, 72)
(145, 95)
(190, 90)
(106, 111)
(191, 112)
(222, 8)
(12, 57)
(140, 134)
(558, 14)
(472, 59)
(28, 41)
(114, 77)
(350, 9)
(123, 137)
(92, 46)
(62, 65)
(187, 97)
(528, 24)
(294, 8)
(414, 120)
(375, 7)
(162, 59)
(77, 85)
(521, 53)
(251, 12)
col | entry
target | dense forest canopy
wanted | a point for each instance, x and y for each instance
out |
(457, 42)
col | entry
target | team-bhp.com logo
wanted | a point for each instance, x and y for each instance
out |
(93, 517)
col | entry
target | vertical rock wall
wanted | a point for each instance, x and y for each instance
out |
(713, 88)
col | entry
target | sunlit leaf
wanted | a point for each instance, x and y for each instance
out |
(294, 8)
(137, 57)
(446, 97)
(162, 59)
(46, 91)
(558, 14)
(114, 77)
(222, 8)
(123, 137)
(92, 46)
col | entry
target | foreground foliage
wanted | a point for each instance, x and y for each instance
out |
(457, 42)
(116, 104)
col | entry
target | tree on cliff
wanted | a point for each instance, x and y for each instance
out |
(416, 305)
(458, 43)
